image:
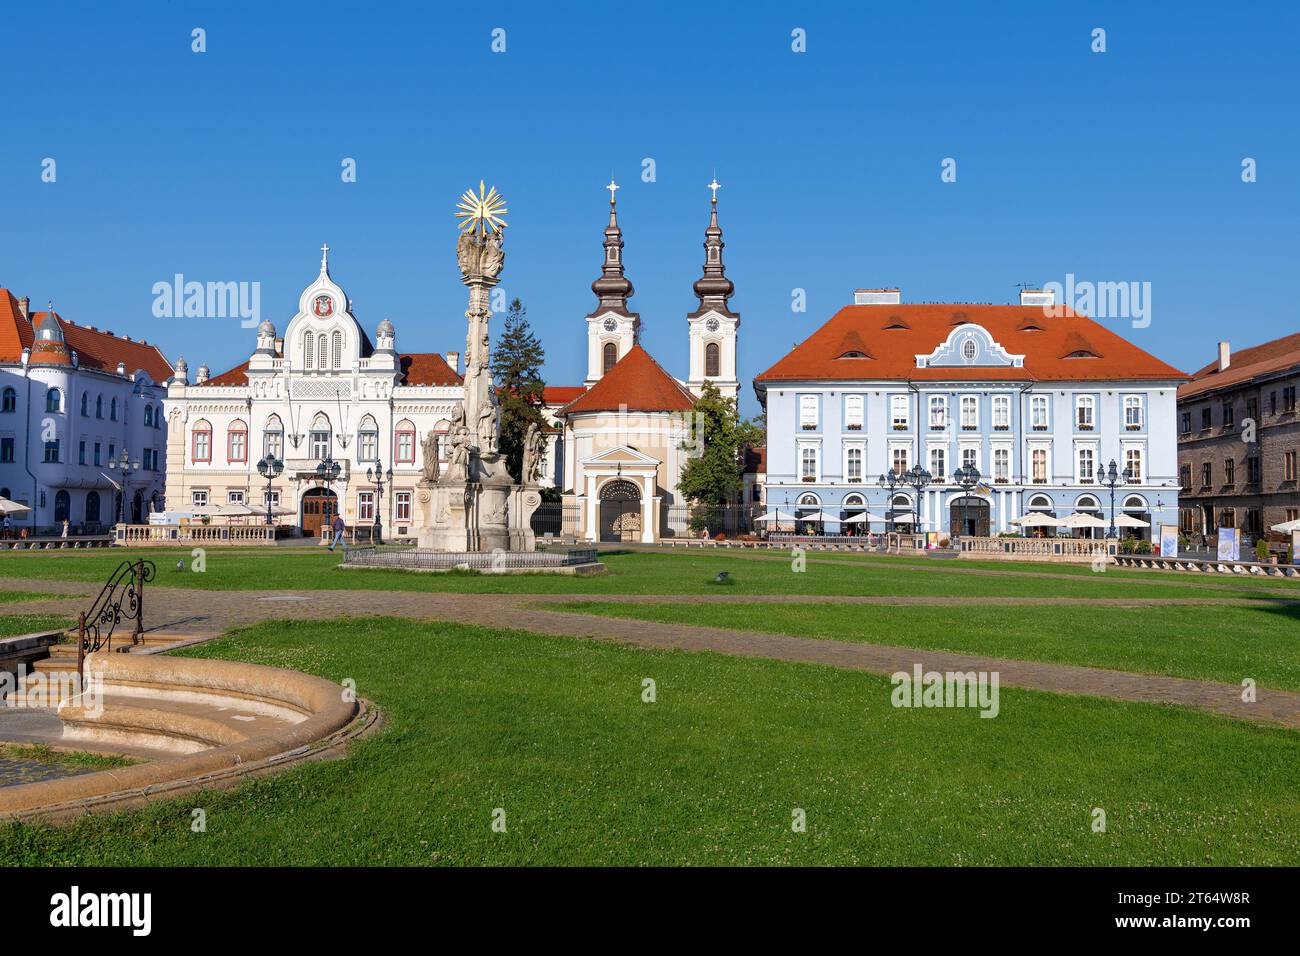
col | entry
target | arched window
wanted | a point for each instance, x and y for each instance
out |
(322, 351)
(201, 441)
(1086, 503)
(404, 439)
(85, 403)
(148, 416)
(9, 401)
(336, 349)
(92, 507)
(712, 360)
(53, 400)
(1040, 503)
(273, 437)
(321, 434)
(309, 350)
(99, 406)
(62, 507)
(609, 357)
(112, 410)
(367, 440)
(237, 442)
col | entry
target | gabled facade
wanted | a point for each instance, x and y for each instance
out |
(1037, 399)
(72, 398)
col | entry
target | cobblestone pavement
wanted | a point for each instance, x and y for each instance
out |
(212, 612)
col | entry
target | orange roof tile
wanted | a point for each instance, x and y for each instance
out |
(95, 349)
(895, 334)
(636, 382)
(561, 394)
(1274, 356)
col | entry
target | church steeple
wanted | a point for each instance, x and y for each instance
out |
(613, 287)
(714, 288)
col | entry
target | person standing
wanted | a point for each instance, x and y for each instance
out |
(338, 526)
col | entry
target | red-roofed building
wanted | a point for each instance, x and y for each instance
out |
(73, 401)
(1239, 440)
(1032, 401)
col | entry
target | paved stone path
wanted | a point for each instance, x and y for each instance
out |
(213, 612)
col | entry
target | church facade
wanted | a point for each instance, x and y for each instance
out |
(626, 435)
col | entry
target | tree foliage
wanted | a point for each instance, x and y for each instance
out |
(714, 477)
(517, 369)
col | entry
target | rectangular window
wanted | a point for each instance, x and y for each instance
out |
(1001, 413)
(271, 498)
(938, 463)
(1133, 413)
(1252, 470)
(899, 460)
(52, 451)
(808, 413)
(235, 497)
(238, 441)
(1252, 409)
(368, 448)
(97, 453)
(402, 503)
(898, 407)
(273, 442)
(1288, 399)
(365, 506)
(199, 498)
(1229, 416)
(202, 446)
(970, 458)
(7, 450)
(81, 453)
(112, 451)
(1289, 466)
(1083, 408)
(1185, 476)
(1038, 463)
(405, 447)
(853, 465)
(1207, 474)
(1087, 463)
(938, 412)
(320, 445)
(1186, 422)
(1038, 413)
(970, 413)
(1229, 471)
(1002, 465)
(808, 463)
(1272, 403)
(1205, 419)
(1133, 462)
(853, 412)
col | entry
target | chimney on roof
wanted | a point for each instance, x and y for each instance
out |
(1039, 297)
(1225, 356)
(279, 346)
(121, 368)
(876, 296)
(25, 307)
(453, 359)
(127, 338)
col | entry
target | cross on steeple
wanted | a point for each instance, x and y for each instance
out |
(715, 186)
(612, 187)
(324, 257)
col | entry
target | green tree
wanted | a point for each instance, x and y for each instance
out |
(517, 369)
(713, 477)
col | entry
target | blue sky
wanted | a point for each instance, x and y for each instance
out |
(225, 166)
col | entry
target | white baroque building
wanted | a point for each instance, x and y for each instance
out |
(322, 391)
(72, 399)
(1039, 400)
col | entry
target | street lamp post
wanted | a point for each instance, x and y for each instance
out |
(968, 477)
(378, 476)
(127, 467)
(327, 470)
(918, 478)
(1111, 477)
(889, 481)
(269, 468)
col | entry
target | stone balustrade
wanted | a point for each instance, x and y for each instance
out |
(1069, 550)
(143, 535)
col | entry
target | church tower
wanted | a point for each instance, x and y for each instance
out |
(611, 330)
(713, 326)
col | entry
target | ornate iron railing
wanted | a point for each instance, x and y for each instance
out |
(121, 599)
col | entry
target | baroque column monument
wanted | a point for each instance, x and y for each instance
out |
(474, 504)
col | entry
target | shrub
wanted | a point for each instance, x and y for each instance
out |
(1142, 547)
(1261, 550)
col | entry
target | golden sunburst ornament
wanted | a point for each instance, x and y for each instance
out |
(483, 212)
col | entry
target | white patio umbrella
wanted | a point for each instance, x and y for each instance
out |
(775, 516)
(863, 516)
(8, 507)
(1128, 521)
(237, 511)
(1036, 519)
(903, 517)
(1286, 527)
(200, 511)
(1081, 519)
(819, 516)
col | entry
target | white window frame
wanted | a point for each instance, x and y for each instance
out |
(1046, 449)
(1079, 449)
(816, 448)
(1134, 402)
(809, 412)
(855, 412)
(861, 448)
(1002, 410)
(1126, 449)
(1085, 403)
(973, 450)
(900, 447)
(937, 403)
(366, 506)
(994, 452)
(970, 422)
(1037, 402)
(940, 473)
(402, 506)
(199, 497)
(235, 497)
(900, 422)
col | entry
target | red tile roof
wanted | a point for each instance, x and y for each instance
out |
(893, 335)
(418, 368)
(561, 394)
(636, 382)
(95, 349)
(1275, 356)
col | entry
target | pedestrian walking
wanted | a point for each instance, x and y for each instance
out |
(338, 526)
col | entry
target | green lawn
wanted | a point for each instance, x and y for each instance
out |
(553, 730)
(632, 573)
(1203, 642)
(9, 597)
(13, 624)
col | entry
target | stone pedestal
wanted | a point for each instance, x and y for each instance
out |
(524, 500)
(465, 516)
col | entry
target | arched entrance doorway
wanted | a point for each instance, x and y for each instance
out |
(92, 508)
(1136, 507)
(968, 516)
(900, 517)
(62, 507)
(137, 508)
(1088, 505)
(318, 510)
(620, 511)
